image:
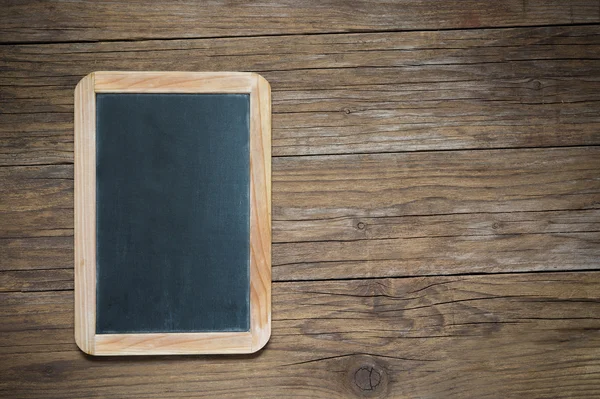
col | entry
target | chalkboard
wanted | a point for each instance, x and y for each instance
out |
(172, 212)
(172, 195)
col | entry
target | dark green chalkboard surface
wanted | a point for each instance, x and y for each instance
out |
(172, 212)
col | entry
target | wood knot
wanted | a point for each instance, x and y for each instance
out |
(347, 111)
(495, 225)
(537, 85)
(367, 378)
(360, 226)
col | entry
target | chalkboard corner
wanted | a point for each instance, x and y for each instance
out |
(82, 344)
(261, 339)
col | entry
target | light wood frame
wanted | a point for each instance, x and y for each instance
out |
(85, 213)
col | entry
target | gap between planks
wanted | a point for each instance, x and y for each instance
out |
(258, 36)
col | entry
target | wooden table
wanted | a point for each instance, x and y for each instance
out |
(436, 194)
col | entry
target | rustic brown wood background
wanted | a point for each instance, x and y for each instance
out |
(436, 194)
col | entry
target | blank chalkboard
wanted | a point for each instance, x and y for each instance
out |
(172, 212)
(180, 213)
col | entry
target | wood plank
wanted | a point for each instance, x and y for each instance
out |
(37, 253)
(542, 228)
(438, 255)
(36, 215)
(526, 335)
(49, 21)
(36, 280)
(430, 183)
(438, 183)
(476, 242)
(381, 214)
(35, 201)
(409, 91)
(450, 225)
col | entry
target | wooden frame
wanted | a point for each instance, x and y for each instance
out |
(85, 213)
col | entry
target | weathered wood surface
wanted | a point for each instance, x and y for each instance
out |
(336, 94)
(375, 215)
(51, 21)
(400, 151)
(502, 336)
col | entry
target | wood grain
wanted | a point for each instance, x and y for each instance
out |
(176, 343)
(486, 242)
(260, 212)
(385, 214)
(524, 335)
(430, 183)
(34, 280)
(336, 94)
(486, 224)
(173, 82)
(49, 21)
(409, 141)
(362, 187)
(85, 214)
